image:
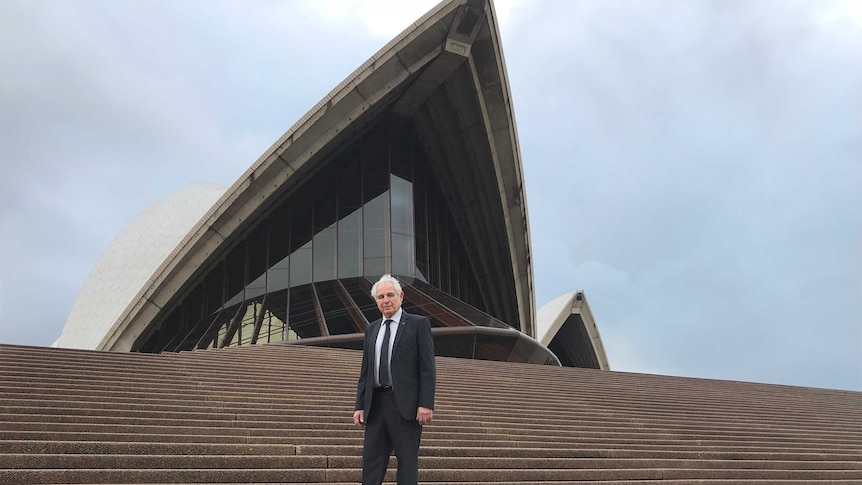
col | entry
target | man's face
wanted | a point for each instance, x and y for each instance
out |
(388, 302)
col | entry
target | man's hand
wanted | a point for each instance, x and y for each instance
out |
(424, 415)
(359, 417)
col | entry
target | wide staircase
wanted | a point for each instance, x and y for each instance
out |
(283, 414)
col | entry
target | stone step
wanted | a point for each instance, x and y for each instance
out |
(190, 475)
(73, 374)
(651, 386)
(340, 418)
(344, 394)
(329, 428)
(114, 373)
(144, 461)
(425, 475)
(70, 411)
(347, 392)
(131, 461)
(42, 394)
(352, 355)
(582, 452)
(150, 448)
(282, 414)
(348, 431)
(201, 401)
(112, 447)
(429, 441)
(208, 416)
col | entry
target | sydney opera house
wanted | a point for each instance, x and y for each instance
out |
(410, 166)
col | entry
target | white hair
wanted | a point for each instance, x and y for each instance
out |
(387, 278)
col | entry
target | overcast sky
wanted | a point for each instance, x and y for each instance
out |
(694, 166)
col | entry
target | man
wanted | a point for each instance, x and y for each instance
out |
(395, 395)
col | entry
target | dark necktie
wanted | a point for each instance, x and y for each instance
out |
(385, 378)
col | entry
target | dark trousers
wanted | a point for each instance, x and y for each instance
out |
(386, 430)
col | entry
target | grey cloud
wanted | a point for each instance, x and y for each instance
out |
(692, 165)
(703, 161)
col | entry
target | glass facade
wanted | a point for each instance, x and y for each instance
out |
(376, 208)
(303, 272)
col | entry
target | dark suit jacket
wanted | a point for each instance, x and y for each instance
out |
(414, 374)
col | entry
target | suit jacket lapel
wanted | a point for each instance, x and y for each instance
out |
(377, 325)
(399, 331)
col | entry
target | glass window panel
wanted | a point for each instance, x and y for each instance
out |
(277, 304)
(324, 224)
(303, 318)
(220, 335)
(438, 313)
(443, 282)
(176, 340)
(277, 278)
(402, 206)
(349, 247)
(176, 324)
(256, 254)
(421, 221)
(410, 306)
(232, 327)
(238, 298)
(469, 288)
(235, 270)
(403, 262)
(375, 219)
(359, 290)
(272, 329)
(374, 243)
(191, 317)
(324, 254)
(234, 331)
(188, 319)
(375, 267)
(279, 234)
(324, 199)
(252, 312)
(335, 311)
(214, 289)
(465, 274)
(454, 264)
(235, 275)
(216, 326)
(327, 295)
(256, 250)
(421, 276)
(433, 240)
(375, 164)
(349, 186)
(256, 288)
(300, 221)
(467, 312)
(400, 157)
(300, 266)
